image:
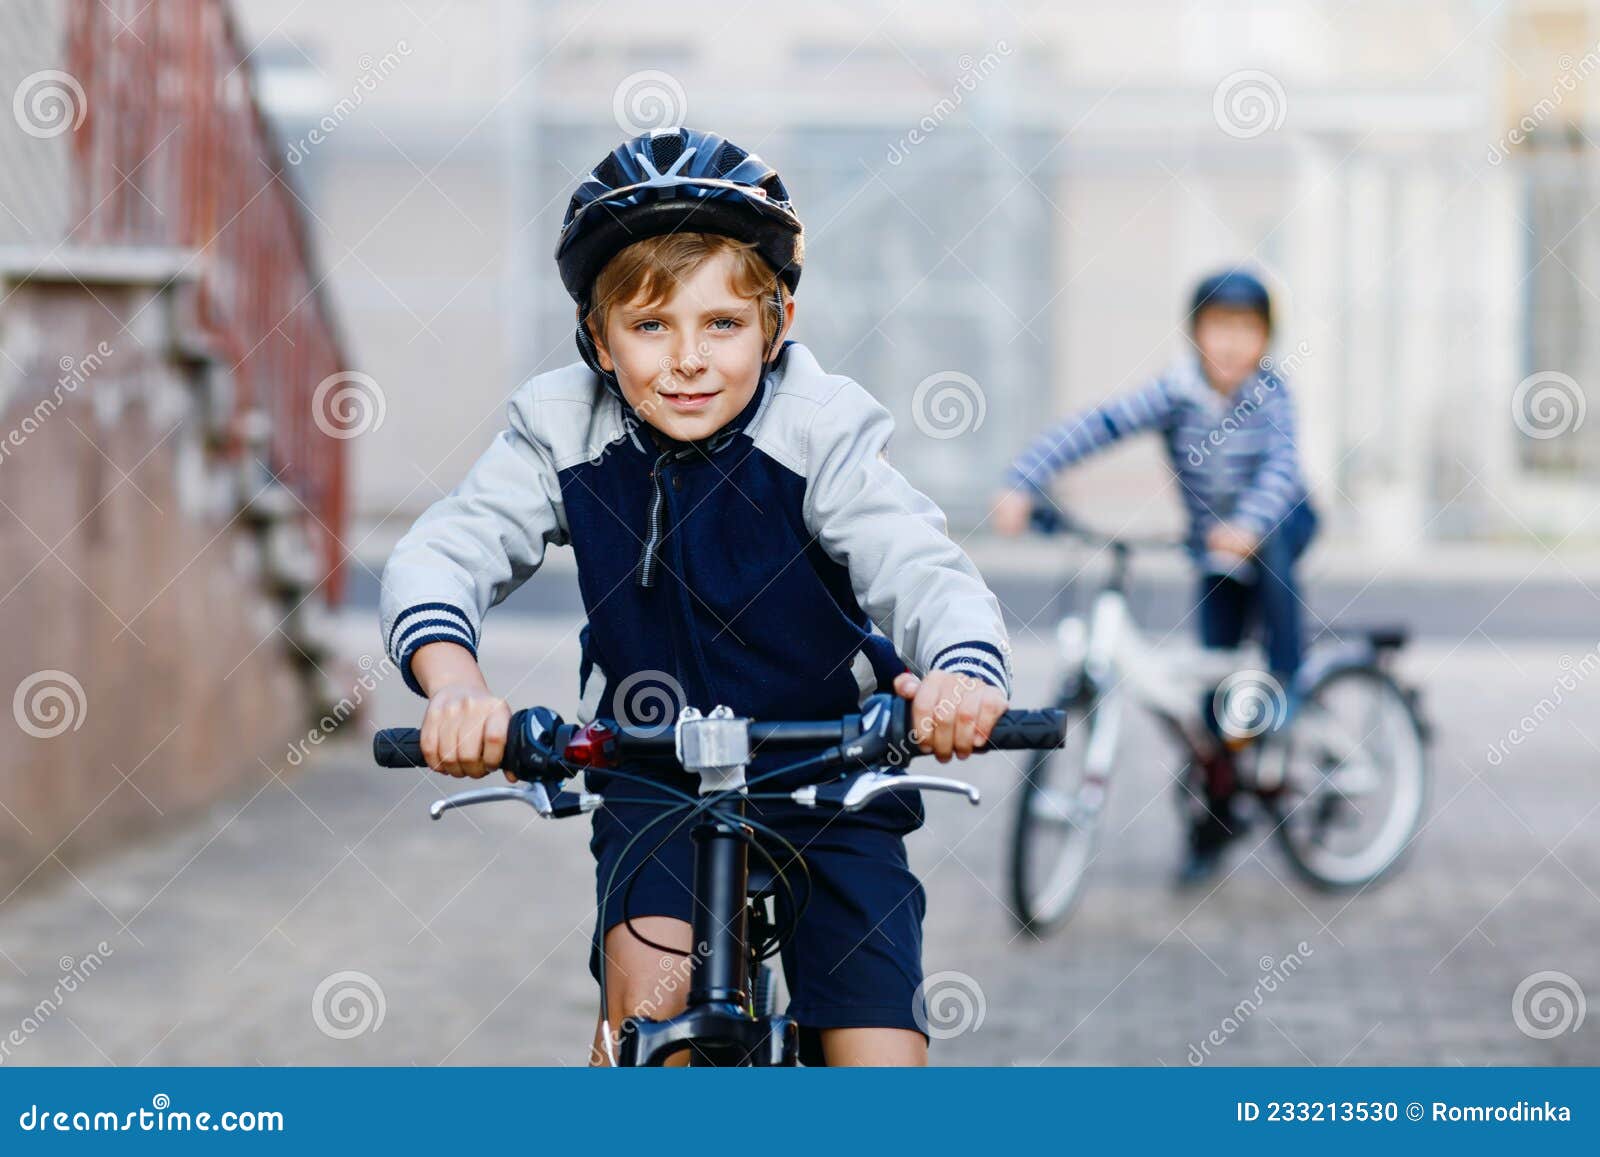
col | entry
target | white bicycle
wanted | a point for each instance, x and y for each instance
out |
(1345, 782)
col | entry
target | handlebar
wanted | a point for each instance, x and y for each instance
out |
(602, 743)
(1047, 519)
(541, 750)
(538, 742)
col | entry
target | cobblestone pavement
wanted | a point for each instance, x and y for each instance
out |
(471, 934)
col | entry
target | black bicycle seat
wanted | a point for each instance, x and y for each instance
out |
(1388, 638)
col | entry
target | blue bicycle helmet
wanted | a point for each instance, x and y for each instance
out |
(670, 180)
(1232, 289)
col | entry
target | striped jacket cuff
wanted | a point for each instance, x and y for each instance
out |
(979, 659)
(426, 623)
(1019, 479)
(1254, 523)
(1259, 518)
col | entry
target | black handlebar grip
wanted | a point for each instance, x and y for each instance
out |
(1029, 729)
(398, 747)
(1045, 518)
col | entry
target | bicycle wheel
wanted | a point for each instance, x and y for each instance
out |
(1056, 829)
(1355, 780)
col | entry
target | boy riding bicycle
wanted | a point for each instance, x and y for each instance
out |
(738, 533)
(1227, 423)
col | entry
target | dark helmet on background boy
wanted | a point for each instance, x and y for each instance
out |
(1232, 289)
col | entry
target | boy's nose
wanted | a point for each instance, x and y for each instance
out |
(691, 360)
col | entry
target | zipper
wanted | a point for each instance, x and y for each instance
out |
(687, 617)
(646, 569)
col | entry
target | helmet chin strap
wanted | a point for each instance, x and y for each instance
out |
(777, 330)
(590, 354)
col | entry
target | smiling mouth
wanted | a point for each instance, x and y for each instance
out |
(688, 401)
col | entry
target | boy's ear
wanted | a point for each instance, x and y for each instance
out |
(783, 330)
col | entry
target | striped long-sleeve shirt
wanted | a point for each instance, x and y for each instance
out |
(1234, 458)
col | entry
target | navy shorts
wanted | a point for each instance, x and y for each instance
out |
(855, 960)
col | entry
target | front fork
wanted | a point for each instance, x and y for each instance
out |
(717, 1025)
(1089, 686)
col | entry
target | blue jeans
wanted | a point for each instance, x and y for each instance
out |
(1228, 607)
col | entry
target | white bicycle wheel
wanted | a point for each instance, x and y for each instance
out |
(1055, 833)
(1355, 780)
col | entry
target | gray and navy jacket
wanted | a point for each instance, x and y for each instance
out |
(749, 569)
(1234, 458)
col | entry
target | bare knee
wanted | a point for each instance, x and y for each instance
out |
(643, 980)
(899, 1047)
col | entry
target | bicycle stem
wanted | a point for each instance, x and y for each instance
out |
(719, 971)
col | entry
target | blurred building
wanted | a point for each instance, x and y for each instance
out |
(1006, 204)
(171, 453)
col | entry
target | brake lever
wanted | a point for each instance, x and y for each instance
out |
(856, 792)
(869, 735)
(535, 794)
(531, 743)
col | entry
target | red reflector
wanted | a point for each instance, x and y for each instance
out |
(593, 746)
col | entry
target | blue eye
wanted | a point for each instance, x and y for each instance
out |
(731, 323)
(642, 324)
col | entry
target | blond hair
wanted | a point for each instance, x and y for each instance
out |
(649, 270)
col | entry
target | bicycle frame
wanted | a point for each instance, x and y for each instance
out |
(1216, 703)
(1109, 660)
(717, 1024)
(1113, 661)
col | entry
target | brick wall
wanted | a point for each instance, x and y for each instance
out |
(140, 671)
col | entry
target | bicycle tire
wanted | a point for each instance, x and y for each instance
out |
(1412, 783)
(1037, 818)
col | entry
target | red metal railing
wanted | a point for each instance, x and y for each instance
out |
(174, 150)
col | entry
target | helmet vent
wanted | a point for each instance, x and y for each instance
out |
(665, 150)
(729, 157)
(608, 172)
